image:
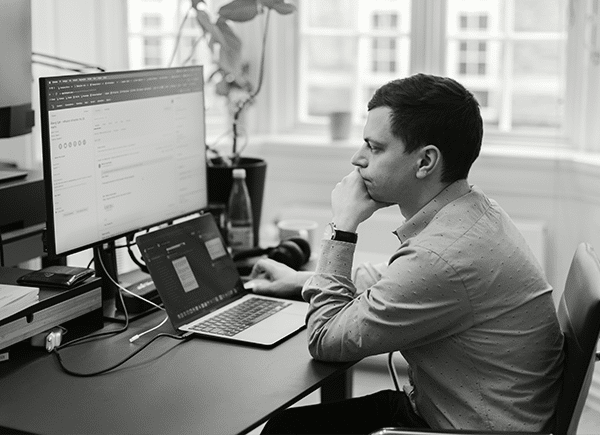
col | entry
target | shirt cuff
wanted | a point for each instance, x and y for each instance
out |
(336, 258)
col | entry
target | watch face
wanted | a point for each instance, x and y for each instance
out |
(329, 232)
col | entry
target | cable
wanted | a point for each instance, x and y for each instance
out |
(135, 337)
(114, 366)
(62, 59)
(129, 292)
(131, 340)
(138, 263)
(105, 333)
(392, 371)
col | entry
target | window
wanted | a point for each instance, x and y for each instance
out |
(165, 33)
(512, 54)
(509, 53)
(151, 21)
(152, 51)
(343, 60)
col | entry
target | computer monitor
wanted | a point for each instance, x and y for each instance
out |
(122, 152)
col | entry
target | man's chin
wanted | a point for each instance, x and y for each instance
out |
(379, 199)
(371, 191)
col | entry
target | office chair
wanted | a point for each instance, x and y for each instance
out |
(579, 317)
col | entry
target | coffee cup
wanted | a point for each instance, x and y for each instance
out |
(303, 228)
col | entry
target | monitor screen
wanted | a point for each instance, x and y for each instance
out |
(122, 152)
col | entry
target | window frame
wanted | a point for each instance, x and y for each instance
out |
(430, 14)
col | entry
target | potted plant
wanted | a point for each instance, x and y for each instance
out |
(233, 83)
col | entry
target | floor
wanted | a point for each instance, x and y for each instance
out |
(371, 375)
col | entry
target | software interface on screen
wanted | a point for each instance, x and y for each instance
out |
(123, 151)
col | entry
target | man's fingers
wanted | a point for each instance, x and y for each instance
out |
(260, 286)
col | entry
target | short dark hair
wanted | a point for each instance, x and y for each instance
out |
(428, 109)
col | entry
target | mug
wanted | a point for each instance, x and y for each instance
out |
(303, 228)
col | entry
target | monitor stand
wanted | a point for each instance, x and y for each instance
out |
(105, 260)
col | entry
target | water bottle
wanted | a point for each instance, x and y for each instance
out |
(240, 231)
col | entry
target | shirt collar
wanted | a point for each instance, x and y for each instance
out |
(421, 219)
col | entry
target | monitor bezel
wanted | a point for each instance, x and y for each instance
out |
(50, 231)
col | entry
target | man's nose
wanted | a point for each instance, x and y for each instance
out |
(358, 159)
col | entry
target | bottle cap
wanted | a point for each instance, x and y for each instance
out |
(239, 173)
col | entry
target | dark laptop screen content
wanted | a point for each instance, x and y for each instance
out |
(192, 265)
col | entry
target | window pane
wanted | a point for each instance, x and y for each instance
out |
(513, 52)
(481, 97)
(152, 21)
(333, 54)
(539, 15)
(324, 100)
(483, 22)
(540, 111)
(154, 27)
(538, 58)
(321, 13)
(152, 51)
(346, 47)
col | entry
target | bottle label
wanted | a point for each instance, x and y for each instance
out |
(240, 238)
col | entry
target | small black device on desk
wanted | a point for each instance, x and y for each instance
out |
(80, 305)
(56, 276)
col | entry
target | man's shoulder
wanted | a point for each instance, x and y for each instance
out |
(462, 231)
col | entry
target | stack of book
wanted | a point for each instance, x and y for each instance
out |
(14, 298)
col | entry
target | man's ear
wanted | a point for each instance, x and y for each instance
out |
(430, 158)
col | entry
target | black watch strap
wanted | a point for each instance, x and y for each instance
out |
(342, 236)
(345, 236)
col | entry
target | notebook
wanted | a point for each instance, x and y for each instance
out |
(202, 291)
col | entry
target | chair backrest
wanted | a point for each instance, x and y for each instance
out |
(579, 317)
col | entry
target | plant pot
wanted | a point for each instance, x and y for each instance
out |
(220, 180)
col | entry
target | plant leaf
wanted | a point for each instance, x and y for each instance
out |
(210, 29)
(195, 3)
(279, 6)
(239, 10)
(231, 50)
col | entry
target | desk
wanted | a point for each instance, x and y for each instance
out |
(197, 386)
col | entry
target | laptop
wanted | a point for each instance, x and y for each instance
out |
(203, 293)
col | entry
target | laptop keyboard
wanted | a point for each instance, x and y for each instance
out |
(242, 316)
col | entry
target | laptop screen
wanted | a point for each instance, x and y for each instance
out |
(191, 268)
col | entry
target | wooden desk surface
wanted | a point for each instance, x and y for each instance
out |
(197, 386)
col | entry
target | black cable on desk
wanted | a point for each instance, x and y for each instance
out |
(116, 331)
(114, 366)
(100, 334)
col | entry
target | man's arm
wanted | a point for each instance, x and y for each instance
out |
(407, 307)
(271, 278)
(367, 274)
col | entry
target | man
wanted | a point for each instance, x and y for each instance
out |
(463, 298)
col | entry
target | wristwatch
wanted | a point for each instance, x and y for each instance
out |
(332, 233)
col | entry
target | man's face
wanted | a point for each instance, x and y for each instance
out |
(388, 172)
